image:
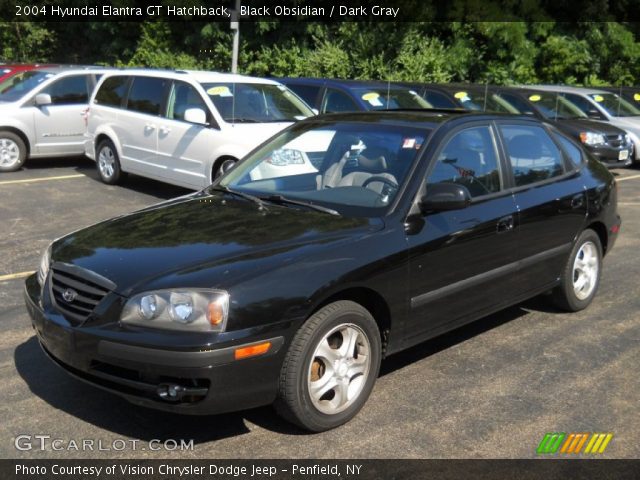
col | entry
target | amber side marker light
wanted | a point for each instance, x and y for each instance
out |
(252, 350)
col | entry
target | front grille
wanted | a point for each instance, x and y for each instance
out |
(615, 140)
(85, 291)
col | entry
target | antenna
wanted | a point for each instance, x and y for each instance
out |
(486, 92)
(619, 100)
(388, 91)
(555, 112)
(233, 101)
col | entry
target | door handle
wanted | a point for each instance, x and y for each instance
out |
(165, 130)
(577, 201)
(505, 224)
(149, 126)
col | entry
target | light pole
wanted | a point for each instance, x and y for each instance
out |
(235, 26)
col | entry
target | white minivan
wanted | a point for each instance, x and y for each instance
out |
(186, 127)
(41, 113)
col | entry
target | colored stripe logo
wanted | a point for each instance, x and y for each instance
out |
(573, 443)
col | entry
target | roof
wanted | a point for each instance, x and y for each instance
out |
(199, 76)
(335, 82)
(566, 89)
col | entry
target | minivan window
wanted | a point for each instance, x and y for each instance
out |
(533, 155)
(469, 159)
(386, 98)
(256, 102)
(336, 101)
(112, 91)
(146, 95)
(308, 93)
(69, 90)
(438, 100)
(18, 85)
(615, 105)
(183, 97)
(584, 105)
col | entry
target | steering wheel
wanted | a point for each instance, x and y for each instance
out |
(376, 178)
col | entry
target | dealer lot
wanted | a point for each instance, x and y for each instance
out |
(491, 389)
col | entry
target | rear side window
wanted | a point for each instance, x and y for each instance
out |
(533, 155)
(69, 90)
(112, 91)
(336, 101)
(571, 149)
(438, 100)
(147, 94)
(308, 93)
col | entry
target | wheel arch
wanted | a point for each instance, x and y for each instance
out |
(215, 165)
(20, 134)
(601, 230)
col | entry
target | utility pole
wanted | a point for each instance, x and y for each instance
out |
(235, 26)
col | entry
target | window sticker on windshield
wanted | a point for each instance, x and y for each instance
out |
(598, 98)
(410, 143)
(373, 98)
(636, 97)
(221, 91)
(464, 96)
(534, 98)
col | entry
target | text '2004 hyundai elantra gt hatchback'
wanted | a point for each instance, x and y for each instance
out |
(291, 289)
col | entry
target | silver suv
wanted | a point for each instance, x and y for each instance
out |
(186, 127)
(41, 114)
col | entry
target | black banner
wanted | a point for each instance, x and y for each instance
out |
(319, 469)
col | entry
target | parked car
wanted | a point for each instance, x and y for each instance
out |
(474, 98)
(187, 128)
(609, 144)
(605, 107)
(630, 94)
(9, 70)
(334, 96)
(291, 289)
(41, 115)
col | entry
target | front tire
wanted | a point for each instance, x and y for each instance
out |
(108, 163)
(330, 368)
(581, 275)
(13, 152)
(223, 167)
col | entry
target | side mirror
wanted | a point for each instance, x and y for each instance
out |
(195, 115)
(43, 99)
(594, 114)
(445, 196)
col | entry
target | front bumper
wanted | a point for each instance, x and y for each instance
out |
(205, 380)
(611, 156)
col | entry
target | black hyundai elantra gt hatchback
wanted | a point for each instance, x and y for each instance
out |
(376, 232)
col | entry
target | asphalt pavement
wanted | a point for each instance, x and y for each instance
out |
(492, 389)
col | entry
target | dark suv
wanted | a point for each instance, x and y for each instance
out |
(291, 289)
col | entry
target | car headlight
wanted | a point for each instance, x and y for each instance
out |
(591, 138)
(286, 156)
(627, 139)
(45, 263)
(179, 309)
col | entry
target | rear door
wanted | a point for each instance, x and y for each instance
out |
(183, 147)
(462, 261)
(139, 124)
(60, 126)
(551, 200)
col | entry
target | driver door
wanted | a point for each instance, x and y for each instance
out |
(461, 261)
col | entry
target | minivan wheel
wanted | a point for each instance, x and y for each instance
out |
(223, 167)
(581, 275)
(13, 152)
(108, 163)
(330, 367)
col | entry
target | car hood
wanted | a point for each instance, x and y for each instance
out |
(204, 240)
(577, 125)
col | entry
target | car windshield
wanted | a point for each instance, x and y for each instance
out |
(615, 105)
(481, 101)
(18, 85)
(393, 97)
(353, 168)
(256, 102)
(555, 106)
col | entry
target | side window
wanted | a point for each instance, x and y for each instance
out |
(533, 155)
(336, 101)
(469, 158)
(112, 92)
(69, 90)
(308, 93)
(438, 100)
(146, 95)
(585, 105)
(517, 102)
(571, 149)
(182, 97)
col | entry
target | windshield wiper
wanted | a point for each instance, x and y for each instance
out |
(281, 200)
(240, 120)
(246, 196)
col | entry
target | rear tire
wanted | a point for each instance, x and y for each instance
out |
(330, 368)
(581, 275)
(108, 163)
(222, 167)
(13, 152)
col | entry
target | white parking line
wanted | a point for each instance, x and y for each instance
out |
(44, 179)
(14, 276)
(627, 178)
